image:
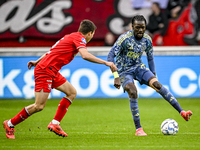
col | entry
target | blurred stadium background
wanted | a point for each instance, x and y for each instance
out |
(28, 28)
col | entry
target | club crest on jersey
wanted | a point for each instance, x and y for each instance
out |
(84, 41)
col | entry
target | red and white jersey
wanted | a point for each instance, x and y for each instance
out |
(64, 51)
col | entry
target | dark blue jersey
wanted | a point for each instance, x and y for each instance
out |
(128, 52)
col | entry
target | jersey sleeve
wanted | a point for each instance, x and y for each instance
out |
(111, 56)
(79, 42)
(115, 50)
(150, 57)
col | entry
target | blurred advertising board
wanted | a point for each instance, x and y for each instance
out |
(180, 74)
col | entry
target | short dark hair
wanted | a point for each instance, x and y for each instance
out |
(86, 26)
(157, 4)
(138, 18)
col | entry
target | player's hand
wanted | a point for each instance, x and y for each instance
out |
(112, 66)
(31, 64)
(117, 83)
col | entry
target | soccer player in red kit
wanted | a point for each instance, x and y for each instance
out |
(47, 77)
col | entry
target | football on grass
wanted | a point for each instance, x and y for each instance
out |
(169, 127)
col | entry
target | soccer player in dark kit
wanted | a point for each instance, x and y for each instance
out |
(128, 50)
(47, 77)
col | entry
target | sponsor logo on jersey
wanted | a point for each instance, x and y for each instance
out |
(84, 41)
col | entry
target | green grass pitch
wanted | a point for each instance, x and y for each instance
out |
(99, 124)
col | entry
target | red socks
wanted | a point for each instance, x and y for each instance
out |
(61, 111)
(62, 108)
(21, 116)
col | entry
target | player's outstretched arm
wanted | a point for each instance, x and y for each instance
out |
(34, 63)
(89, 57)
(110, 58)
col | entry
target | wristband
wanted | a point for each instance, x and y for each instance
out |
(116, 75)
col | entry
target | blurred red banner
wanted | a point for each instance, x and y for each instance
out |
(51, 19)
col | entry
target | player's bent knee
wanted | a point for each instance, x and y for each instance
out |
(153, 82)
(73, 96)
(131, 90)
(132, 93)
(39, 107)
(157, 85)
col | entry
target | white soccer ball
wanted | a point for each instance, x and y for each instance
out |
(169, 127)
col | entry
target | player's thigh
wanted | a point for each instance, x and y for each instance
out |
(126, 79)
(68, 89)
(145, 77)
(130, 86)
(41, 97)
(131, 90)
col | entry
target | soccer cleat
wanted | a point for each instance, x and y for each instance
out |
(56, 129)
(9, 131)
(186, 114)
(140, 132)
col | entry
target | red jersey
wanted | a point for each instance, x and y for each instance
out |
(64, 51)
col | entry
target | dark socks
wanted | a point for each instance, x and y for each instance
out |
(135, 112)
(164, 92)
